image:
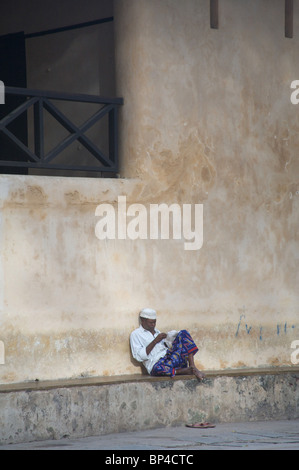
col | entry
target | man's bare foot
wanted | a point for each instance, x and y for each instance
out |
(200, 375)
(192, 370)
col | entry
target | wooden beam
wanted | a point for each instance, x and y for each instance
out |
(214, 14)
(289, 18)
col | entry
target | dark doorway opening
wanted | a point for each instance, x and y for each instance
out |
(13, 73)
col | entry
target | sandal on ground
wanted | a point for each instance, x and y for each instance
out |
(201, 425)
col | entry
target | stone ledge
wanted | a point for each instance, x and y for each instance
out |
(122, 379)
(103, 405)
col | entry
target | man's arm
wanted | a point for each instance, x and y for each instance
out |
(155, 341)
(141, 350)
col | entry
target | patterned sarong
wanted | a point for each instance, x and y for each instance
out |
(176, 356)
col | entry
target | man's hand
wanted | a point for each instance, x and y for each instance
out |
(160, 337)
(155, 341)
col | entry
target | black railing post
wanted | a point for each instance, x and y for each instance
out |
(39, 129)
(113, 136)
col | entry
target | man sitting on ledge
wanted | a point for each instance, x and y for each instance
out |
(148, 346)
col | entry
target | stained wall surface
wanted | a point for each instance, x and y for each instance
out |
(207, 120)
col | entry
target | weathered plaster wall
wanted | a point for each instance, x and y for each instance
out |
(207, 119)
(65, 295)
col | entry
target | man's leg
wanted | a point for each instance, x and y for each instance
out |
(185, 346)
(179, 359)
(163, 367)
(191, 370)
(196, 372)
(171, 364)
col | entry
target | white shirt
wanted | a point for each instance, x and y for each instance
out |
(139, 340)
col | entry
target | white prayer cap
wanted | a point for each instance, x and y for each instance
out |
(148, 313)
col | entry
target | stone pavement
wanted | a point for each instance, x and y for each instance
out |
(262, 435)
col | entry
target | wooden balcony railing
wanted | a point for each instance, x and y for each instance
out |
(43, 157)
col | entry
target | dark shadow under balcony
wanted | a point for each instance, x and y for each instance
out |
(45, 132)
